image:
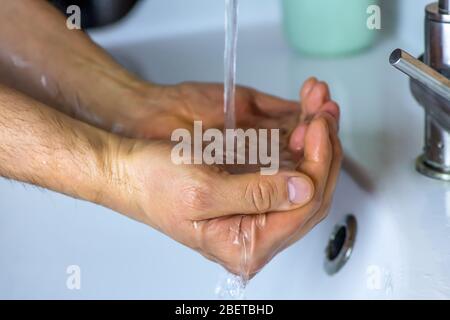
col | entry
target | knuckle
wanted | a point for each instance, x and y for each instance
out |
(195, 195)
(262, 194)
(183, 90)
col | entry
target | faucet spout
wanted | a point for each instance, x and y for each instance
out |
(430, 86)
(419, 71)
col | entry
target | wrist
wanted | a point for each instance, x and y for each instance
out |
(119, 183)
(115, 101)
(107, 95)
(131, 105)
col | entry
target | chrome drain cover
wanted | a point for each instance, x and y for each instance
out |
(340, 245)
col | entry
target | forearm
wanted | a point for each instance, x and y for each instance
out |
(44, 147)
(63, 68)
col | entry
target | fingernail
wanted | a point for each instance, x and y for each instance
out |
(300, 190)
(311, 82)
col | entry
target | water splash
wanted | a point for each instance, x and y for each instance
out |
(231, 287)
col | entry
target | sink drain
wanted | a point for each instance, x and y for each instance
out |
(340, 245)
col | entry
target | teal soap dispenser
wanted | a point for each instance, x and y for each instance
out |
(331, 27)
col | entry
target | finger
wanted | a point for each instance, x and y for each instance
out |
(317, 97)
(329, 192)
(270, 240)
(316, 165)
(332, 108)
(307, 87)
(317, 154)
(297, 139)
(272, 105)
(253, 193)
(333, 177)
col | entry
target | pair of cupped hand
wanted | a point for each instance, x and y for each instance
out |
(238, 220)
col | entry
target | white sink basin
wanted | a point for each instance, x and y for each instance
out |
(402, 248)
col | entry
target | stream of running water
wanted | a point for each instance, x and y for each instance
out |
(232, 286)
(231, 35)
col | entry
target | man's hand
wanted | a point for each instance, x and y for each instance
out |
(159, 110)
(214, 212)
(203, 207)
(220, 214)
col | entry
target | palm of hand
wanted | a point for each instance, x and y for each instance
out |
(242, 244)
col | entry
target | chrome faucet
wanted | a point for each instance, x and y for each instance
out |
(430, 86)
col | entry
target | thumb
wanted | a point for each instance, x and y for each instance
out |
(254, 193)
